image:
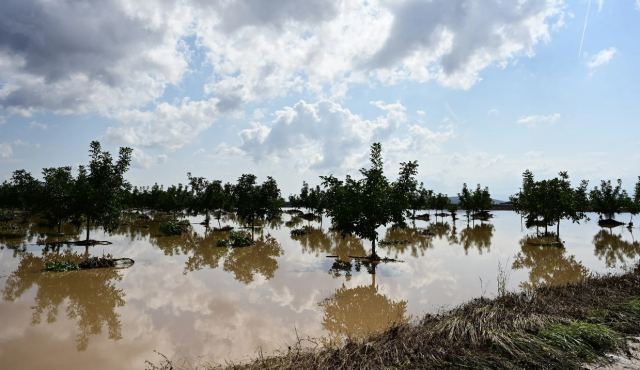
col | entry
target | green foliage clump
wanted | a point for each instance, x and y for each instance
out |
(61, 266)
(547, 202)
(236, 239)
(583, 339)
(174, 227)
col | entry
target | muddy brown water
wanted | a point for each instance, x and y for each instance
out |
(193, 301)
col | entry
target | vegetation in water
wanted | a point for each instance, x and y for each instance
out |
(174, 227)
(236, 239)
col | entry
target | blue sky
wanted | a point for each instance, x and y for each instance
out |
(476, 91)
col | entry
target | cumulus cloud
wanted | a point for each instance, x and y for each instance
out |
(167, 126)
(601, 58)
(539, 119)
(327, 136)
(68, 56)
(6, 150)
(117, 58)
(453, 41)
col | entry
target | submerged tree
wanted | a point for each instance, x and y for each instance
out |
(361, 206)
(476, 203)
(608, 200)
(547, 202)
(255, 202)
(56, 201)
(101, 189)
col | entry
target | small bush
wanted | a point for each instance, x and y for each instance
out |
(174, 227)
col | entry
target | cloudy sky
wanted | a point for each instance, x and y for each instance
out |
(475, 90)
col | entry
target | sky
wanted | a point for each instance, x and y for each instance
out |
(476, 91)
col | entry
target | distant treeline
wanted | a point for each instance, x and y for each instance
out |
(97, 193)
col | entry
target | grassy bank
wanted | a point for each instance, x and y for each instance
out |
(552, 328)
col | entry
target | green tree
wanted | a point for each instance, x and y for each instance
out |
(608, 200)
(100, 188)
(56, 201)
(361, 206)
(405, 191)
(466, 201)
(256, 202)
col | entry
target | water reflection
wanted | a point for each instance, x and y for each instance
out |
(549, 265)
(91, 297)
(247, 262)
(403, 240)
(478, 236)
(361, 311)
(613, 249)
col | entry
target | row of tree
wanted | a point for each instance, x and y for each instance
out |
(95, 195)
(98, 193)
(543, 203)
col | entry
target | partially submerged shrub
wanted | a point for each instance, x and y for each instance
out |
(236, 239)
(174, 227)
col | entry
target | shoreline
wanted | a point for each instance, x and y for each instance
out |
(561, 327)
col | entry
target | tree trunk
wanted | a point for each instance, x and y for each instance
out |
(88, 226)
(374, 255)
(558, 230)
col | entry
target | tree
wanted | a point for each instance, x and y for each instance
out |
(405, 191)
(361, 206)
(26, 190)
(608, 200)
(634, 204)
(100, 188)
(466, 201)
(547, 202)
(56, 200)
(256, 202)
(198, 202)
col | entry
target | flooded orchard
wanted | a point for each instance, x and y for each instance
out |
(189, 298)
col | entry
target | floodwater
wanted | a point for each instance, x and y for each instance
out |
(191, 300)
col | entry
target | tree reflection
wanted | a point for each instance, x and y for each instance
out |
(439, 229)
(357, 313)
(403, 240)
(614, 249)
(91, 297)
(246, 262)
(548, 266)
(478, 236)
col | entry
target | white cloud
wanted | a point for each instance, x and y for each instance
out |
(327, 136)
(67, 56)
(6, 150)
(638, 4)
(118, 57)
(144, 160)
(601, 58)
(38, 125)
(453, 41)
(538, 119)
(167, 126)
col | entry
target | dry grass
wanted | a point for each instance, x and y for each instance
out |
(551, 327)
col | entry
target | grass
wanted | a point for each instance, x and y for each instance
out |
(550, 327)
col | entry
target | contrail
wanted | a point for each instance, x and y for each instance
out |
(584, 28)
